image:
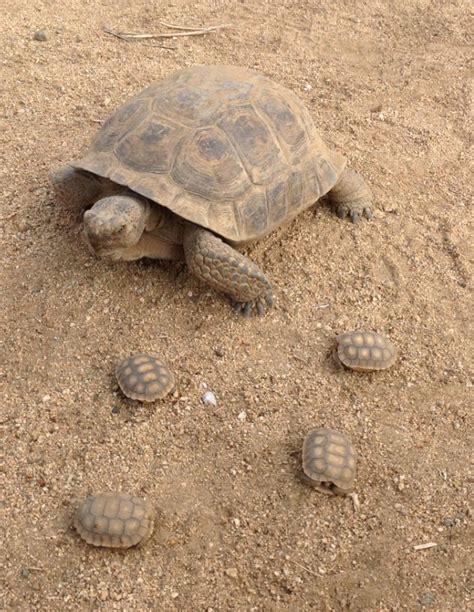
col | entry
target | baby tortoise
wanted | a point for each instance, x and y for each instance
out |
(365, 351)
(145, 378)
(200, 164)
(329, 461)
(114, 520)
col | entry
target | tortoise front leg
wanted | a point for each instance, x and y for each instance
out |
(225, 269)
(351, 196)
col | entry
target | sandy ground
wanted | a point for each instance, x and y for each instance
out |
(388, 85)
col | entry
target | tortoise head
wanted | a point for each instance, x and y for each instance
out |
(114, 224)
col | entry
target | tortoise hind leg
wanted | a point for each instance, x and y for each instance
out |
(351, 196)
(225, 269)
(76, 187)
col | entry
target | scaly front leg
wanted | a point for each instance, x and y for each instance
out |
(225, 269)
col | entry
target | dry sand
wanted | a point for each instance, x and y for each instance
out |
(388, 85)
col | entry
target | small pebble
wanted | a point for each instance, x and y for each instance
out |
(46, 398)
(219, 351)
(427, 599)
(115, 409)
(231, 572)
(376, 109)
(40, 35)
(22, 225)
(242, 415)
(209, 399)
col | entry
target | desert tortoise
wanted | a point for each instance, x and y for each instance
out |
(363, 351)
(329, 461)
(208, 159)
(144, 377)
(114, 520)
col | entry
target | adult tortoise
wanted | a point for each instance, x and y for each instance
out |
(197, 165)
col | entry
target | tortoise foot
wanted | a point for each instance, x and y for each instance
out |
(259, 305)
(351, 197)
(353, 210)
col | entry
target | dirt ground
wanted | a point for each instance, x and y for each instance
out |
(236, 529)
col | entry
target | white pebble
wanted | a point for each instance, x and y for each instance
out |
(231, 572)
(242, 415)
(209, 399)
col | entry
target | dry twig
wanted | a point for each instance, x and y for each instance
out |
(355, 501)
(305, 568)
(130, 36)
(423, 546)
(177, 27)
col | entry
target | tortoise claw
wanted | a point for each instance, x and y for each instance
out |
(354, 215)
(341, 211)
(246, 308)
(237, 306)
(368, 212)
(260, 306)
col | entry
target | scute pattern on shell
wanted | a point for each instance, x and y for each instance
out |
(329, 461)
(365, 350)
(144, 377)
(114, 520)
(221, 146)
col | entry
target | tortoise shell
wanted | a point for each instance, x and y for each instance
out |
(220, 146)
(329, 461)
(363, 351)
(114, 520)
(144, 377)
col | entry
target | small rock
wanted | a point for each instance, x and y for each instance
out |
(174, 594)
(376, 109)
(25, 572)
(22, 225)
(242, 415)
(307, 87)
(401, 509)
(448, 522)
(231, 572)
(427, 599)
(45, 398)
(219, 351)
(209, 399)
(115, 409)
(40, 35)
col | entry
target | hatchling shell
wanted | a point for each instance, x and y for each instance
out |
(329, 461)
(144, 377)
(114, 520)
(221, 146)
(363, 351)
